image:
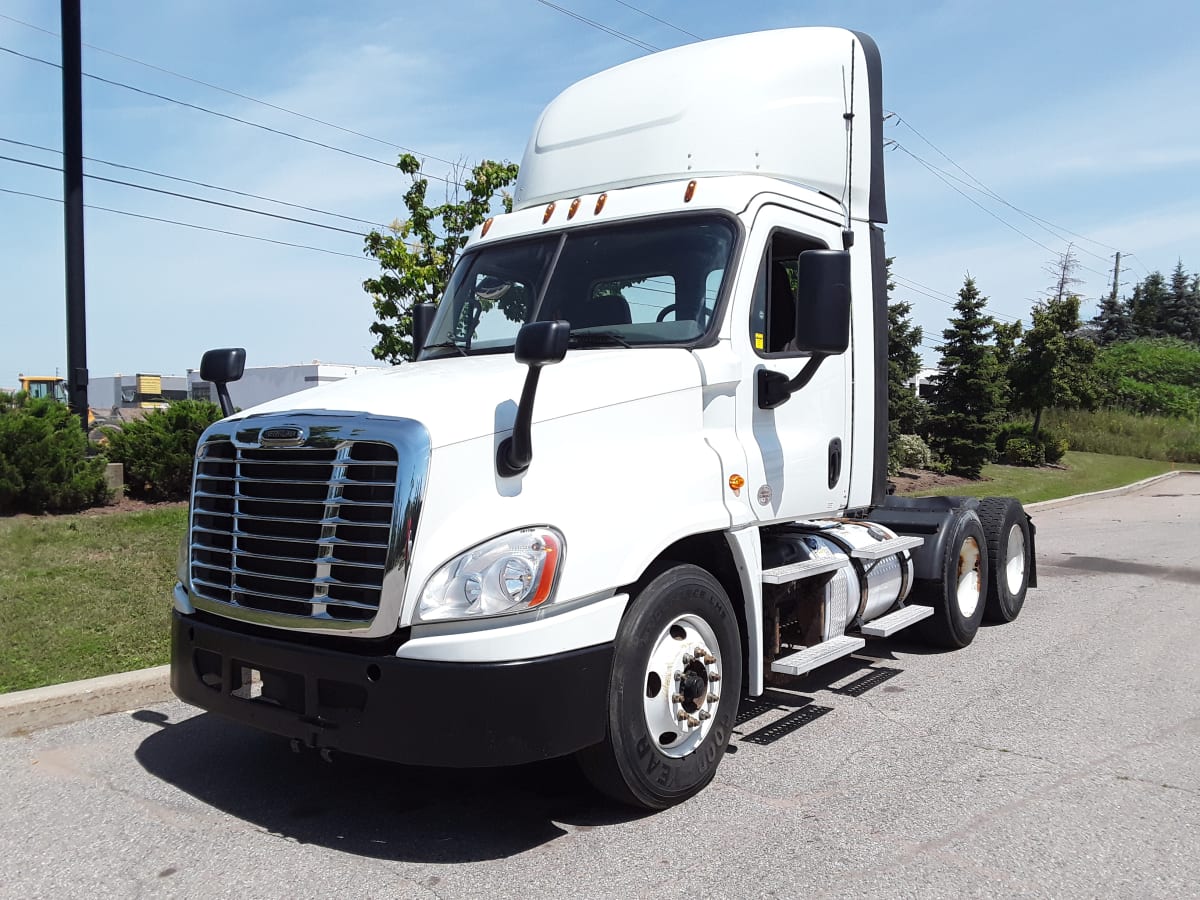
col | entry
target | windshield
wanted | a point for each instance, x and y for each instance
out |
(637, 283)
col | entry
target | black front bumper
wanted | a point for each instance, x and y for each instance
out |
(409, 711)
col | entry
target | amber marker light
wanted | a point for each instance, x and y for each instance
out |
(486, 226)
(687, 194)
(574, 208)
(736, 483)
(549, 212)
(600, 204)
(549, 572)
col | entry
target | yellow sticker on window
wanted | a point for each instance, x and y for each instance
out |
(758, 340)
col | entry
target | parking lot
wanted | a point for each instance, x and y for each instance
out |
(1057, 756)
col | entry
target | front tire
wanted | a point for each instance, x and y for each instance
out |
(673, 693)
(958, 597)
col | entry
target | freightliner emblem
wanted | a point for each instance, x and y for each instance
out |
(282, 436)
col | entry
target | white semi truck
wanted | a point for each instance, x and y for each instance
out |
(466, 561)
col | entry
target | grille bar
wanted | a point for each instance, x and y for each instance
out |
(321, 542)
(340, 501)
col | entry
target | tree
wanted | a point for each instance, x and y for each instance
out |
(1112, 322)
(1177, 316)
(418, 255)
(967, 404)
(1006, 336)
(1145, 306)
(905, 409)
(1053, 364)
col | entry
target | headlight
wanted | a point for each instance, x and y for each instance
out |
(182, 558)
(513, 572)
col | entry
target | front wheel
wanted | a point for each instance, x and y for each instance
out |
(673, 692)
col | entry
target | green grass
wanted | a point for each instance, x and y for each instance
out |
(1083, 472)
(1123, 433)
(82, 596)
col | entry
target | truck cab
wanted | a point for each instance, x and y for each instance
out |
(636, 472)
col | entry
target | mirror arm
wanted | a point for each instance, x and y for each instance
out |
(223, 397)
(775, 388)
(515, 452)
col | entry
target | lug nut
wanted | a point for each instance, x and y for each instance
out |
(677, 698)
(679, 676)
(703, 714)
(682, 716)
(693, 721)
(714, 676)
(709, 658)
(713, 698)
(699, 652)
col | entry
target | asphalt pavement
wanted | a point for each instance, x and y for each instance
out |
(1058, 756)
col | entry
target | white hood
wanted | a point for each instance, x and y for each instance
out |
(460, 398)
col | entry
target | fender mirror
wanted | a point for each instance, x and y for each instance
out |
(221, 367)
(538, 344)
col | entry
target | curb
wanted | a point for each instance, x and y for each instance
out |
(1110, 492)
(22, 712)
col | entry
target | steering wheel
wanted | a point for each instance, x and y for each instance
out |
(662, 314)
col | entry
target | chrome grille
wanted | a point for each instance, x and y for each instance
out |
(299, 531)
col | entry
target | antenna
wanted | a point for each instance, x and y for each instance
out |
(848, 115)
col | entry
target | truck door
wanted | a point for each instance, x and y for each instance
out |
(798, 453)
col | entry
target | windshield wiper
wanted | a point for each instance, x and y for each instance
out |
(446, 345)
(597, 339)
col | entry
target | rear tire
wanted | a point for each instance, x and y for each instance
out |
(1007, 530)
(958, 597)
(666, 732)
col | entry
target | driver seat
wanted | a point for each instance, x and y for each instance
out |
(603, 309)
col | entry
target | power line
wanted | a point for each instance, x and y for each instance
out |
(931, 296)
(221, 115)
(249, 237)
(154, 190)
(637, 42)
(937, 173)
(203, 184)
(987, 190)
(238, 94)
(657, 19)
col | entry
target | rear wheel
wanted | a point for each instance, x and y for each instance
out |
(1006, 528)
(958, 598)
(673, 692)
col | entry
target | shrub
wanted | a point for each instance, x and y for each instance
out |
(157, 450)
(913, 452)
(1051, 445)
(1019, 451)
(44, 463)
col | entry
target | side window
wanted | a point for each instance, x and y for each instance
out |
(774, 305)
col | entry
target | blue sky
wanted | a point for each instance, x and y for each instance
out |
(1082, 114)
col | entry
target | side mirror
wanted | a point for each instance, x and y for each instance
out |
(538, 344)
(823, 321)
(221, 367)
(422, 322)
(542, 343)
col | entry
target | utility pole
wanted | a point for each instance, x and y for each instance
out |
(72, 113)
(1116, 277)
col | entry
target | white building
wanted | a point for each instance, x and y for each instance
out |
(108, 393)
(922, 382)
(263, 383)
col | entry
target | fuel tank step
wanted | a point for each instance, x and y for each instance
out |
(886, 548)
(893, 622)
(795, 571)
(817, 655)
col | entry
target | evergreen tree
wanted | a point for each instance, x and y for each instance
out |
(1113, 322)
(1053, 365)
(905, 409)
(967, 404)
(1176, 315)
(1145, 306)
(1006, 338)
